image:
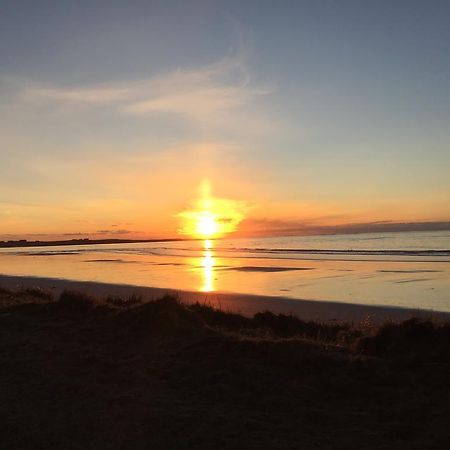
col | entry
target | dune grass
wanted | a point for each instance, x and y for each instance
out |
(80, 372)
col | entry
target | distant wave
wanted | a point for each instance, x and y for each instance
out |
(411, 249)
(341, 252)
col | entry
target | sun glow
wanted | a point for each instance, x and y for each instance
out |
(211, 217)
(206, 224)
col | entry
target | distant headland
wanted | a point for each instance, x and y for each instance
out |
(26, 243)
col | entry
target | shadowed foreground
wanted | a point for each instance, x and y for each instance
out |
(79, 373)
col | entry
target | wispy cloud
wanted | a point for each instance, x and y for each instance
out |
(118, 232)
(93, 95)
(196, 94)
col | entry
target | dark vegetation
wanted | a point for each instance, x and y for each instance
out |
(84, 241)
(79, 373)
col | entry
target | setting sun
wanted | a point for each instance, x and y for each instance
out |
(206, 224)
(211, 217)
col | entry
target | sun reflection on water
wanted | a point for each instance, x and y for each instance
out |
(207, 264)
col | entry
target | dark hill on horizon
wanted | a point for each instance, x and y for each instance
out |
(26, 243)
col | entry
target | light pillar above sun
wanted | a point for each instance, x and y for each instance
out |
(210, 217)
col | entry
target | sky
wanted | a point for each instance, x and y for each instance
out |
(312, 116)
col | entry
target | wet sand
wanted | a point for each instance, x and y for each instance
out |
(290, 277)
(244, 304)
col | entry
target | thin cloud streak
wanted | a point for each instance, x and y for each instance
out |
(194, 93)
(270, 227)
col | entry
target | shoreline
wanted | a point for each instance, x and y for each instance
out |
(244, 304)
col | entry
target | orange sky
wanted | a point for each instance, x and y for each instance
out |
(308, 124)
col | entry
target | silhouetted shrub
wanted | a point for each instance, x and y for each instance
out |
(406, 338)
(4, 290)
(38, 292)
(165, 316)
(120, 302)
(217, 318)
(289, 325)
(76, 301)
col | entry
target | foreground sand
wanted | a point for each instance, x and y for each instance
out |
(247, 305)
(78, 373)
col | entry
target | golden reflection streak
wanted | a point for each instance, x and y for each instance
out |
(207, 263)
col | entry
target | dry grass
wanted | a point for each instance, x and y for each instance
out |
(83, 373)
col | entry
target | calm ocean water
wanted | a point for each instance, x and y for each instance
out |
(398, 269)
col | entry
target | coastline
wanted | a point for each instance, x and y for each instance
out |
(244, 304)
(77, 242)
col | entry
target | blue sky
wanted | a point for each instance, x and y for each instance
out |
(308, 112)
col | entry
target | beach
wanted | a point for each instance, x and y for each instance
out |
(349, 277)
(244, 304)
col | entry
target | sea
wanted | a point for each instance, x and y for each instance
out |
(401, 269)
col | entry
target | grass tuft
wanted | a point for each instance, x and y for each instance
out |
(4, 290)
(165, 316)
(75, 301)
(413, 336)
(38, 292)
(126, 303)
